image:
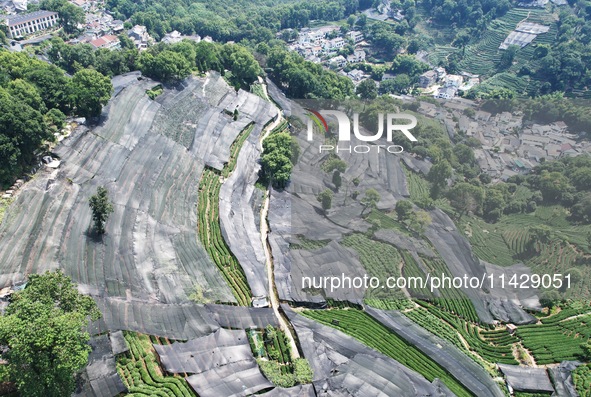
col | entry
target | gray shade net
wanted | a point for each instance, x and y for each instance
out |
(524, 379)
(243, 380)
(562, 379)
(344, 366)
(150, 250)
(222, 348)
(463, 368)
(299, 391)
(239, 317)
(180, 322)
(118, 343)
(100, 377)
(222, 364)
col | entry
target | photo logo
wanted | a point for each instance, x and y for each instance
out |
(344, 130)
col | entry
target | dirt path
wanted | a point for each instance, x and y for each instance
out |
(273, 296)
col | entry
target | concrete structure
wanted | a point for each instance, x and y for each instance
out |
(428, 78)
(140, 37)
(356, 36)
(453, 80)
(172, 37)
(356, 57)
(338, 61)
(26, 24)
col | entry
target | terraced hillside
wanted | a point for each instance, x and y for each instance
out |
(150, 155)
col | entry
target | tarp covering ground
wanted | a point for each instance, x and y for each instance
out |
(100, 377)
(150, 156)
(240, 317)
(221, 364)
(344, 366)
(531, 380)
(463, 368)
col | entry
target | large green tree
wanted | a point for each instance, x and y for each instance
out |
(70, 15)
(89, 91)
(44, 328)
(465, 198)
(167, 66)
(276, 159)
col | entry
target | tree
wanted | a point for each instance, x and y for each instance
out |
(276, 159)
(44, 327)
(461, 40)
(70, 15)
(438, 175)
(507, 57)
(325, 198)
(539, 234)
(334, 163)
(337, 179)
(403, 210)
(419, 221)
(367, 89)
(167, 66)
(101, 209)
(370, 199)
(400, 83)
(89, 91)
(553, 185)
(464, 154)
(465, 197)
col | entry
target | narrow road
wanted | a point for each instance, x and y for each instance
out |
(273, 296)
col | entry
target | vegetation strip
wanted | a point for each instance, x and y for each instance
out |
(209, 223)
(375, 335)
(142, 375)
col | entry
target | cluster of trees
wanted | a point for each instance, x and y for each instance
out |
(566, 181)
(304, 79)
(227, 20)
(70, 15)
(415, 220)
(35, 98)
(461, 13)
(164, 62)
(44, 329)
(280, 152)
(565, 65)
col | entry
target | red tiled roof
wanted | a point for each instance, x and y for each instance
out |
(102, 41)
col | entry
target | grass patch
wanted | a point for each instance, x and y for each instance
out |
(155, 91)
(4, 204)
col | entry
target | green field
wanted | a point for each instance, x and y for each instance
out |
(209, 224)
(141, 373)
(375, 335)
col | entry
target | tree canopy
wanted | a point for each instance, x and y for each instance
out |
(44, 329)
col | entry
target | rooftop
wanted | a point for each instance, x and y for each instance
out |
(18, 19)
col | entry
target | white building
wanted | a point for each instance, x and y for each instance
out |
(172, 37)
(453, 80)
(356, 57)
(338, 61)
(26, 24)
(356, 36)
(140, 37)
(446, 93)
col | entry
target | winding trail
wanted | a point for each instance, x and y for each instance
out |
(273, 296)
